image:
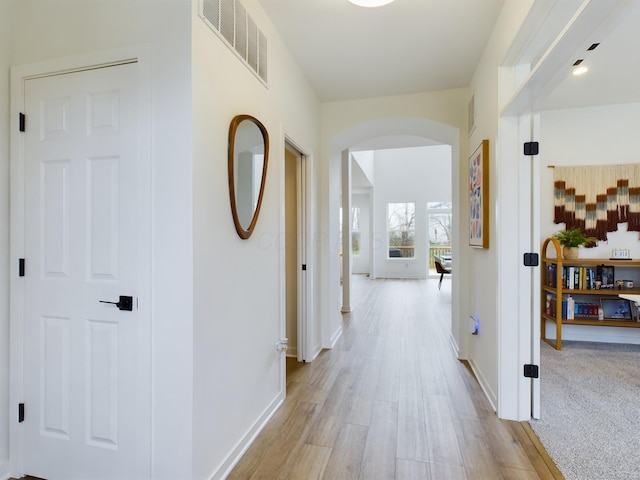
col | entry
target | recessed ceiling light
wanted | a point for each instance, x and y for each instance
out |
(580, 70)
(370, 3)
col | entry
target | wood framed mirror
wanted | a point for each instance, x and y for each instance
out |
(248, 158)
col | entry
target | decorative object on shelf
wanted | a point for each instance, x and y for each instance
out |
(616, 308)
(620, 254)
(571, 240)
(247, 164)
(479, 196)
(596, 198)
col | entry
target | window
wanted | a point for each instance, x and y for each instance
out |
(401, 229)
(355, 231)
(439, 230)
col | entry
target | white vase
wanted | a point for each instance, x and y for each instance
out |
(570, 253)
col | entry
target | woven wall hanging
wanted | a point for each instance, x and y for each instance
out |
(597, 198)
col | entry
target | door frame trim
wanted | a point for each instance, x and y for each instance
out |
(304, 195)
(139, 54)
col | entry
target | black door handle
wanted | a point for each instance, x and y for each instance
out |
(125, 303)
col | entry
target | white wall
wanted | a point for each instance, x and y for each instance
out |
(5, 52)
(493, 353)
(590, 136)
(238, 289)
(47, 30)
(419, 175)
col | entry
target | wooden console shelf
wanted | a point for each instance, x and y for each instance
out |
(553, 291)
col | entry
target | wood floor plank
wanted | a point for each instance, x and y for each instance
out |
(479, 462)
(271, 434)
(412, 429)
(346, 457)
(310, 463)
(412, 470)
(542, 463)
(278, 458)
(379, 459)
(327, 424)
(516, 474)
(441, 434)
(445, 471)
(507, 452)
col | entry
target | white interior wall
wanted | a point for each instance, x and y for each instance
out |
(493, 293)
(362, 197)
(417, 174)
(589, 136)
(239, 301)
(78, 28)
(6, 28)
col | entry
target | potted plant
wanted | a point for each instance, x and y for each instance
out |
(571, 240)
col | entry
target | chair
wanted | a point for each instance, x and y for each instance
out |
(441, 270)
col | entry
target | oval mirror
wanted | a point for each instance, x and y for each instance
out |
(248, 155)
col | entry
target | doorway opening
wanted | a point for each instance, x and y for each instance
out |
(298, 253)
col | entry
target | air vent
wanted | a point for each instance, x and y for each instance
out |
(231, 22)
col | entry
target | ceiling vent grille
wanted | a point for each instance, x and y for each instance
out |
(230, 20)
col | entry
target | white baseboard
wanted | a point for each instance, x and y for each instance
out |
(455, 347)
(335, 337)
(493, 400)
(481, 380)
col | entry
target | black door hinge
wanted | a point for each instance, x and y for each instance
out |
(304, 266)
(531, 148)
(21, 267)
(531, 371)
(531, 260)
(23, 121)
(20, 412)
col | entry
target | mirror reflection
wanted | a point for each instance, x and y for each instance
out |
(248, 152)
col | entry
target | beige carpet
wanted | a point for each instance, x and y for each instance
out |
(590, 409)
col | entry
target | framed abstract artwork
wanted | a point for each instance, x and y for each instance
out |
(479, 196)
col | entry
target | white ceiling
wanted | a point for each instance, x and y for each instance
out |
(614, 66)
(408, 46)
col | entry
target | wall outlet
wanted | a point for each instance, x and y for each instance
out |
(282, 345)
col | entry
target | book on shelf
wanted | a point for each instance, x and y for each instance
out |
(572, 309)
(571, 305)
(576, 278)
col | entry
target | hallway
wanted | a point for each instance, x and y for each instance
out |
(391, 401)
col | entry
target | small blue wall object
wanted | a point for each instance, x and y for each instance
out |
(476, 325)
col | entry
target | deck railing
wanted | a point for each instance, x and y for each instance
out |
(438, 252)
(408, 252)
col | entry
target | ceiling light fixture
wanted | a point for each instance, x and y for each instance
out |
(370, 3)
(578, 68)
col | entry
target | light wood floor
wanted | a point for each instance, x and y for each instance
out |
(391, 401)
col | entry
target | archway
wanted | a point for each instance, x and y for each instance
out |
(386, 133)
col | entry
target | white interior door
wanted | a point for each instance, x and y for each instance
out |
(87, 368)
